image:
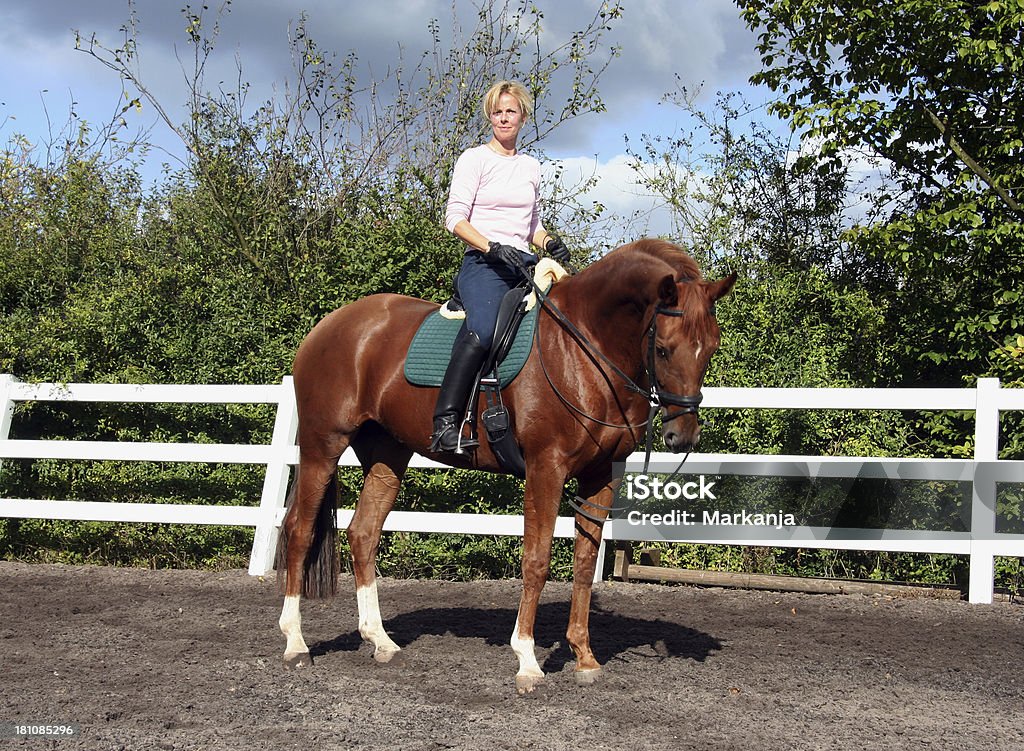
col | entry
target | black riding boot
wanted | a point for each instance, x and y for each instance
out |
(468, 356)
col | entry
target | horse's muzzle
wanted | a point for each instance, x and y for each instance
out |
(681, 434)
(678, 441)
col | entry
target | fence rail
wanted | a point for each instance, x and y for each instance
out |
(982, 543)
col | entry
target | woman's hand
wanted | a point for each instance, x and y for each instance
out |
(507, 255)
(556, 248)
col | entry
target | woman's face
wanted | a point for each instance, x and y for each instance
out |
(507, 118)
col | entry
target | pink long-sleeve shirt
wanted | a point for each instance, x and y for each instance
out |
(498, 195)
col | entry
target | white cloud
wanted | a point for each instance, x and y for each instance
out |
(616, 185)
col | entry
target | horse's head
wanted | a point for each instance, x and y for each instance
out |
(682, 336)
(653, 288)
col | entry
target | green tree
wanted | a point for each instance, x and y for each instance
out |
(935, 88)
(742, 198)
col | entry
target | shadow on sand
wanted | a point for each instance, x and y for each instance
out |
(611, 635)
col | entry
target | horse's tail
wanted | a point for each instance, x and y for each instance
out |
(320, 569)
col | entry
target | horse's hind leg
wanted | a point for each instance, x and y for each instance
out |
(384, 462)
(307, 546)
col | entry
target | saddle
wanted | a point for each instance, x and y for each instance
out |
(431, 348)
(430, 351)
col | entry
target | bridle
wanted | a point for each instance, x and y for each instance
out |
(656, 395)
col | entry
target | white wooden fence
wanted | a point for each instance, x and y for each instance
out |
(982, 543)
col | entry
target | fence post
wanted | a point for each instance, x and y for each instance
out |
(599, 568)
(6, 406)
(983, 501)
(275, 483)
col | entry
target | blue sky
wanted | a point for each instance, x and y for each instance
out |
(699, 43)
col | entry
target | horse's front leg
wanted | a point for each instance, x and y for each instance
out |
(598, 500)
(540, 508)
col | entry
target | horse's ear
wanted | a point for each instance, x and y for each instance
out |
(668, 293)
(721, 288)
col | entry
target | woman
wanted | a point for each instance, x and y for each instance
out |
(493, 208)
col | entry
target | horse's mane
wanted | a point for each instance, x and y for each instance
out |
(643, 259)
(663, 250)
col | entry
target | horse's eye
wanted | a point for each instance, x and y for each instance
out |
(662, 353)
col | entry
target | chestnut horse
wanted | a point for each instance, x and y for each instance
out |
(634, 329)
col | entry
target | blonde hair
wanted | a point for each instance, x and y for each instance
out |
(514, 88)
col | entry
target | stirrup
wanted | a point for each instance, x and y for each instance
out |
(467, 440)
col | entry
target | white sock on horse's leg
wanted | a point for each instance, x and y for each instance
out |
(296, 653)
(530, 674)
(371, 627)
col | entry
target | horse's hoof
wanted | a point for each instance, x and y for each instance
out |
(587, 677)
(527, 684)
(298, 660)
(386, 656)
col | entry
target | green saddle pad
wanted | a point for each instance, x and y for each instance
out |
(431, 349)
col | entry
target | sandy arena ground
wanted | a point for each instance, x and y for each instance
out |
(191, 660)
